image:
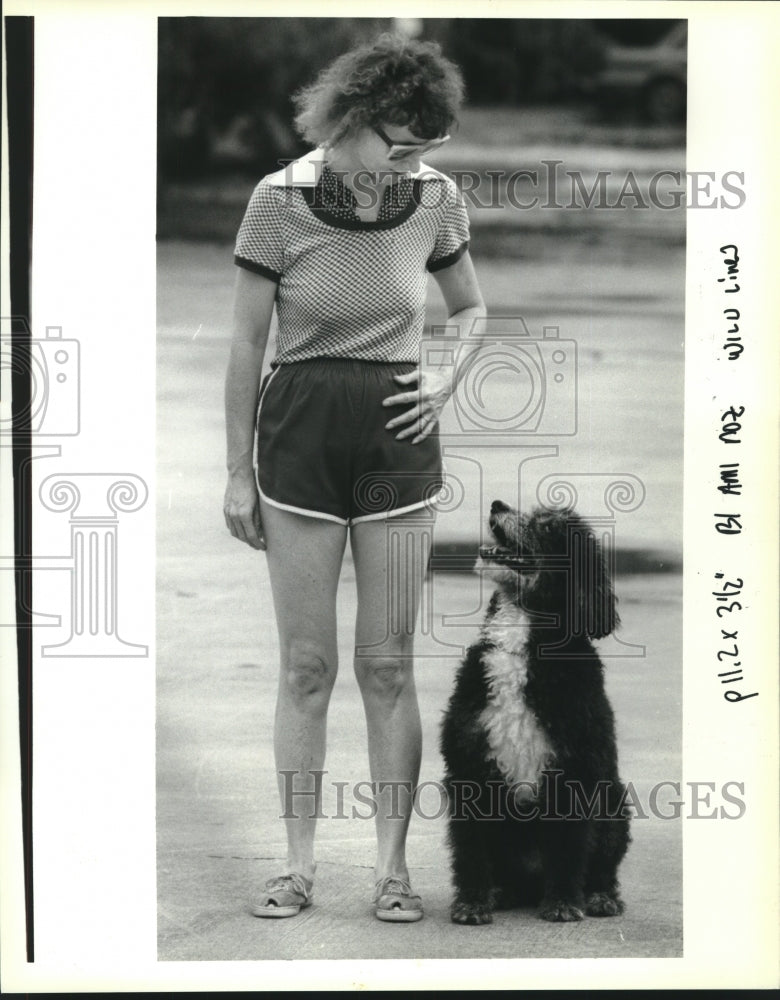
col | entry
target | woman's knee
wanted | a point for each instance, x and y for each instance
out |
(308, 672)
(384, 676)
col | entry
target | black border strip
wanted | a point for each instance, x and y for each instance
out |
(19, 56)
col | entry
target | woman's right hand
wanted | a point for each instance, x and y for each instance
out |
(242, 510)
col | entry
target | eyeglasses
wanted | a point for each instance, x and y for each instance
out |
(399, 150)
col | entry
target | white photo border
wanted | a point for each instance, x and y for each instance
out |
(94, 273)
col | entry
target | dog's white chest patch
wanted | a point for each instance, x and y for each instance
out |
(517, 741)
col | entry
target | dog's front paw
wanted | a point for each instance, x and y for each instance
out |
(601, 904)
(470, 913)
(559, 910)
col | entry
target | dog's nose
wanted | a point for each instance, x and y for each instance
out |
(498, 507)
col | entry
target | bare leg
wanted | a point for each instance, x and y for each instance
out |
(390, 562)
(304, 562)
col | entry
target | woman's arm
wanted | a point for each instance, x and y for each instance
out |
(467, 312)
(466, 309)
(252, 310)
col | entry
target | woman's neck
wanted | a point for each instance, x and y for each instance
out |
(367, 187)
(344, 161)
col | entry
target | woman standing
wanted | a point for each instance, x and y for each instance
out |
(343, 438)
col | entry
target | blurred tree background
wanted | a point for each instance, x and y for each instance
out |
(225, 84)
(510, 61)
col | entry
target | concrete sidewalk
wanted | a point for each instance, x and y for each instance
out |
(219, 836)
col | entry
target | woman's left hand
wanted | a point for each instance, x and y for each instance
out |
(432, 392)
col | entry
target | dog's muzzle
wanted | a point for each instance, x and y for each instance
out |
(501, 557)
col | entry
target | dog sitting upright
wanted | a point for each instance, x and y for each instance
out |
(528, 739)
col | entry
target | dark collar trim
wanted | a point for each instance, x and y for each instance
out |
(339, 222)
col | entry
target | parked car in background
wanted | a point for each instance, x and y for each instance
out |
(654, 78)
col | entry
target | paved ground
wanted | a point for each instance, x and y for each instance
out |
(219, 836)
(218, 833)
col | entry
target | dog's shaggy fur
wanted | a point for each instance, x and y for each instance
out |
(536, 805)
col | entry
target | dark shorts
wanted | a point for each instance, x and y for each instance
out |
(322, 448)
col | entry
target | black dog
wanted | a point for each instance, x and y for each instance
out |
(537, 811)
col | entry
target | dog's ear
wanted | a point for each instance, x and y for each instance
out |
(586, 585)
(592, 602)
(598, 604)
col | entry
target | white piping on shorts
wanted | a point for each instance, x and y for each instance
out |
(268, 500)
(254, 439)
(385, 514)
(302, 510)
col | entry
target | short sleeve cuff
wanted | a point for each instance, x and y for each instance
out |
(252, 265)
(449, 260)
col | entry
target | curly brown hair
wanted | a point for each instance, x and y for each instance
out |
(394, 81)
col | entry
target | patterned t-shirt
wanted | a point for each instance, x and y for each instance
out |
(349, 288)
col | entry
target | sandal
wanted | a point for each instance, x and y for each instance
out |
(395, 902)
(284, 896)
